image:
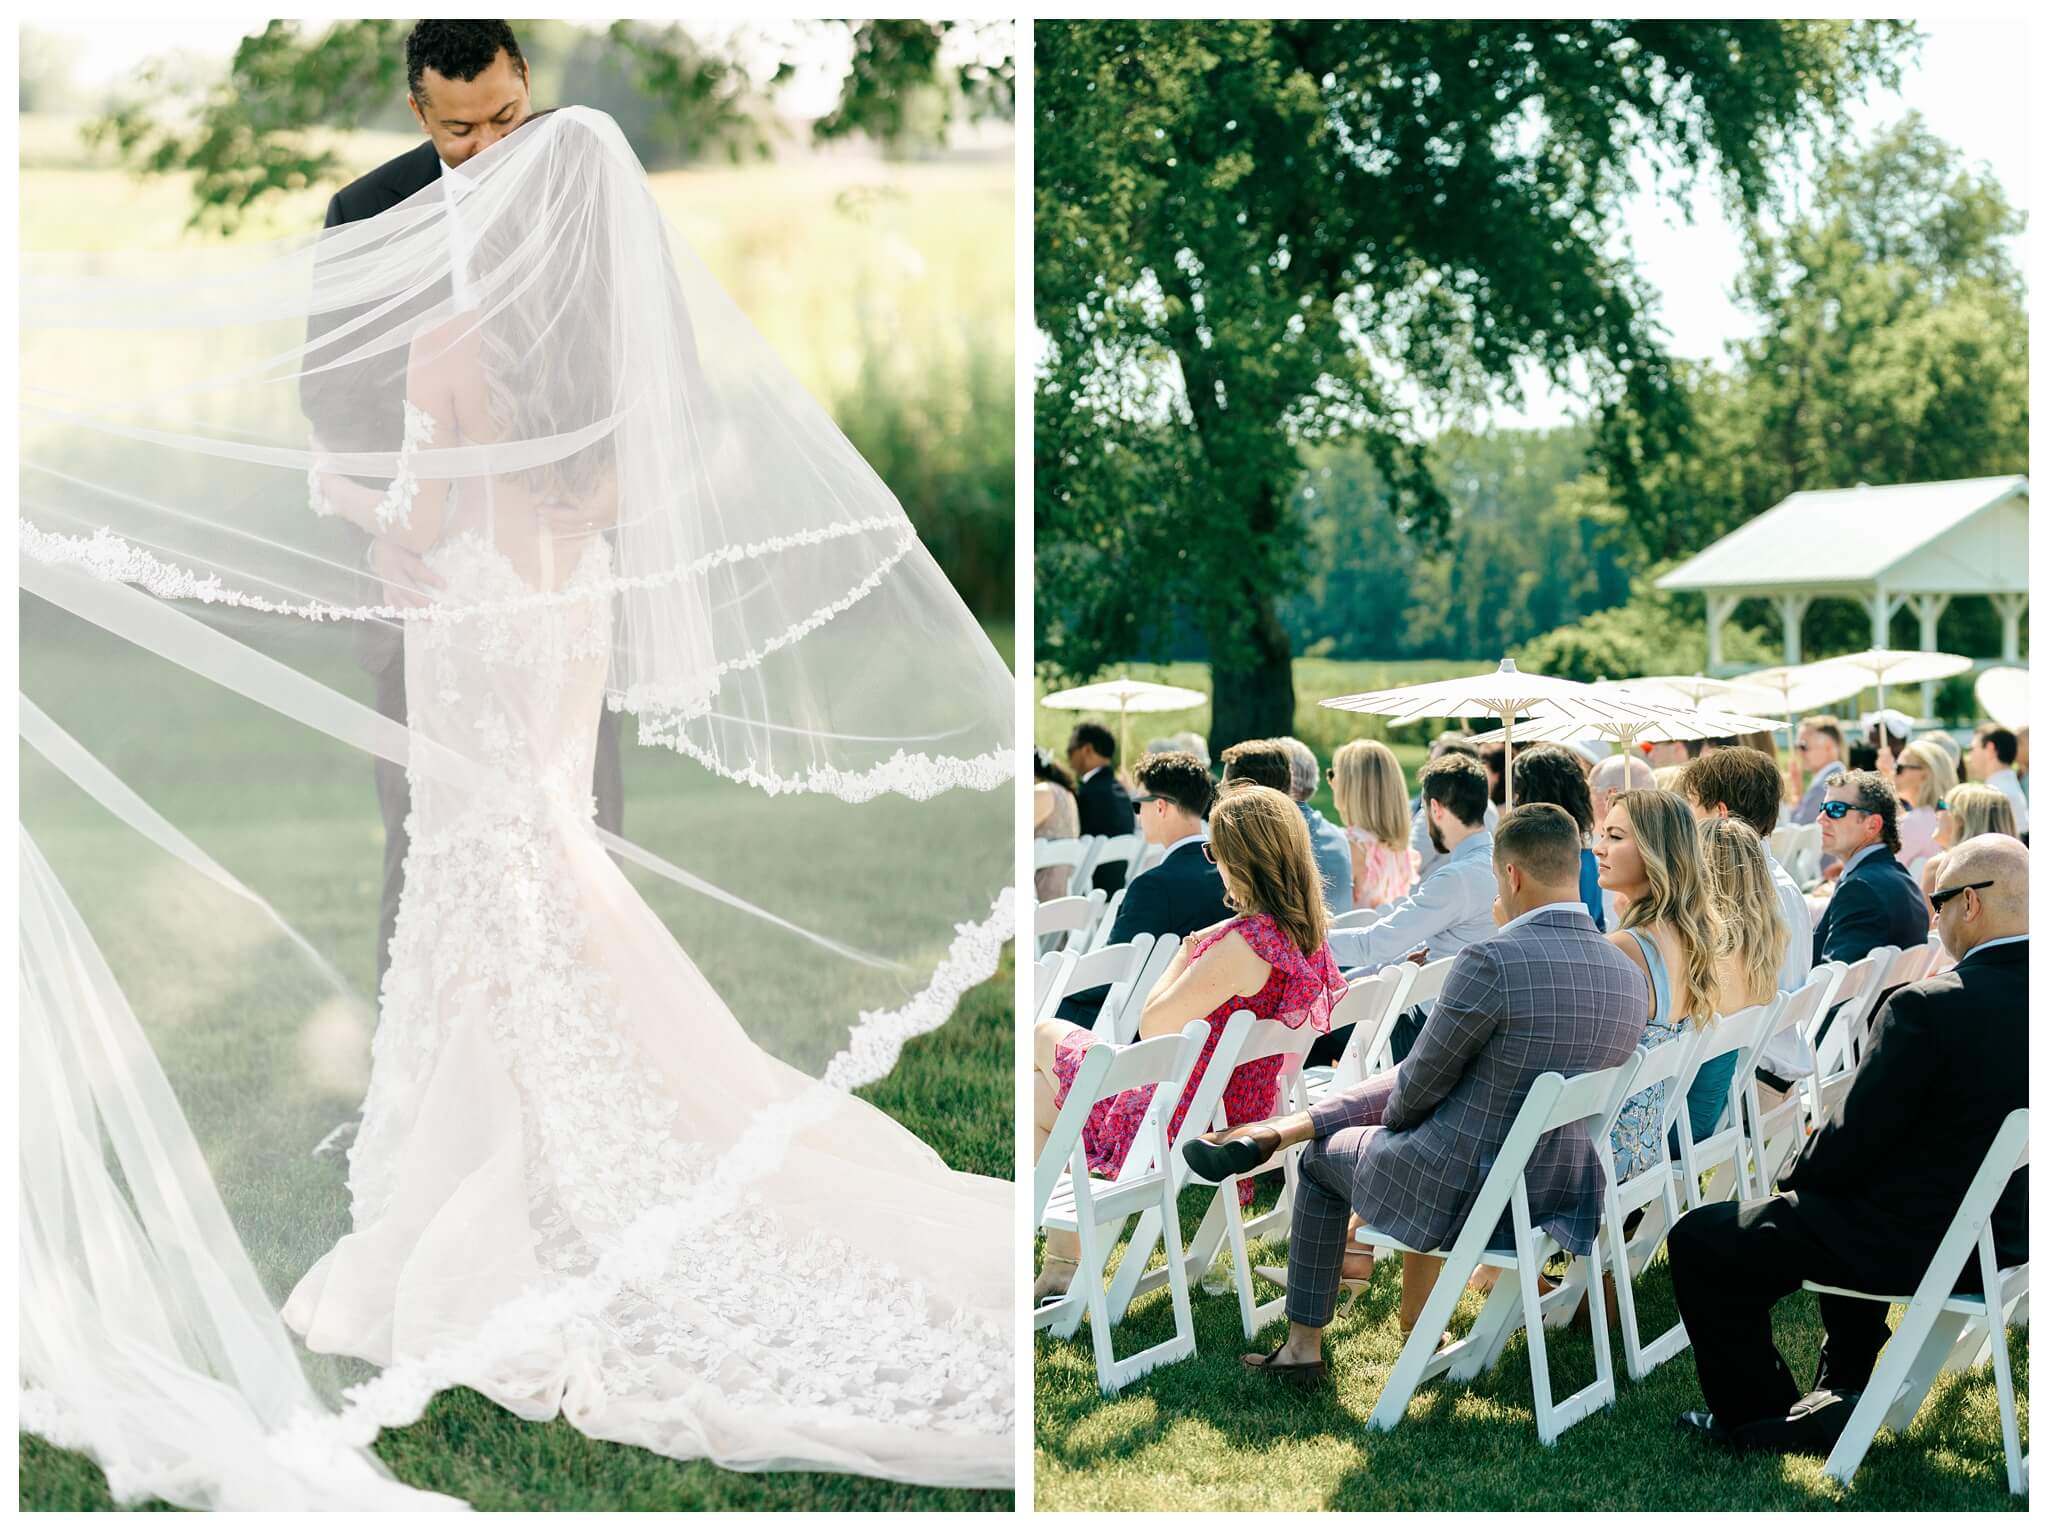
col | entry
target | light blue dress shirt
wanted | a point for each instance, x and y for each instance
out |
(1447, 912)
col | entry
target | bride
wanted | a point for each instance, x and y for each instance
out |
(582, 1185)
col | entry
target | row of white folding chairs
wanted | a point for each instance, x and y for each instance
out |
(1551, 1104)
(1082, 855)
(1071, 923)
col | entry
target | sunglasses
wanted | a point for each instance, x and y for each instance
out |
(1936, 900)
(1209, 853)
(1839, 808)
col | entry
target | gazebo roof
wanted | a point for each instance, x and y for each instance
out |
(1902, 537)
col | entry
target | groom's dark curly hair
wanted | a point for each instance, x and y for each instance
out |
(456, 50)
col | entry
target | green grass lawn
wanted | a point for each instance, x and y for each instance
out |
(1206, 1435)
(232, 1011)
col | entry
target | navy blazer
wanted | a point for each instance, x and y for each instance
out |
(1182, 895)
(1876, 903)
(1880, 1179)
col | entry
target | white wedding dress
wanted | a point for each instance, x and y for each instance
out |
(578, 1186)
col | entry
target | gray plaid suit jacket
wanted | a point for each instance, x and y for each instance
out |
(1551, 995)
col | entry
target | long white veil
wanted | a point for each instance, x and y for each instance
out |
(520, 364)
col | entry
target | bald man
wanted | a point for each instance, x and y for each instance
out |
(1947, 1061)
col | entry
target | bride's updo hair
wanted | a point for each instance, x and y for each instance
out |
(1261, 842)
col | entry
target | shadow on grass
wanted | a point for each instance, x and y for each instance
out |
(1207, 1434)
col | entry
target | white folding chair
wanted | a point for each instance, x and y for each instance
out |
(1106, 925)
(1066, 924)
(1123, 1026)
(1114, 967)
(1653, 1191)
(1553, 1102)
(1351, 919)
(1776, 1135)
(1727, 1146)
(1936, 1331)
(1119, 848)
(1049, 983)
(1801, 857)
(1910, 966)
(1427, 984)
(1882, 959)
(1077, 854)
(1834, 1054)
(1148, 857)
(1205, 1111)
(1370, 1007)
(1070, 1199)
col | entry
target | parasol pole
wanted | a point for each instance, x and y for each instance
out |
(1508, 760)
(1123, 730)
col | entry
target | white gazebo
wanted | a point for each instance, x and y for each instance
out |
(1906, 545)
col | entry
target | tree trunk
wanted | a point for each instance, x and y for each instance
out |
(1253, 699)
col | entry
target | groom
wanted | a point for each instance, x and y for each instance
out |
(467, 87)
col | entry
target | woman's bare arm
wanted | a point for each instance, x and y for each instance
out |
(1227, 970)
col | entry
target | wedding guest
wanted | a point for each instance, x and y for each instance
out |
(1649, 854)
(1184, 892)
(1875, 903)
(1994, 752)
(1666, 754)
(1970, 809)
(1549, 773)
(1923, 777)
(1665, 777)
(1105, 805)
(1623, 771)
(1945, 1065)
(1816, 752)
(1494, 757)
(1332, 850)
(1258, 762)
(1271, 959)
(1195, 745)
(1450, 742)
(2019, 765)
(1755, 936)
(1054, 816)
(1408, 1150)
(1453, 904)
(1743, 784)
(1372, 799)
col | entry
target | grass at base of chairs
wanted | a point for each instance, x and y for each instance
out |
(1205, 1434)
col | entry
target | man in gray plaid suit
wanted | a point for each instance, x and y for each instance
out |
(1409, 1149)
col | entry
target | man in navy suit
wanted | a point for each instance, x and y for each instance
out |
(1876, 901)
(1105, 806)
(1184, 893)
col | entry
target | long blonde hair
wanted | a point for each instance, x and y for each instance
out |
(1975, 809)
(1669, 843)
(1938, 770)
(1753, 928)
(1261, 841)
(1370, 791)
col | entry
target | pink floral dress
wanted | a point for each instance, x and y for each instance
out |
(1299, 992)
(1379, 873)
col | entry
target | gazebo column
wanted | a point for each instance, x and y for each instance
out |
(1929, 609)
(1881, 607)
(1719, 609)
(1792, 613)
(2010, 606)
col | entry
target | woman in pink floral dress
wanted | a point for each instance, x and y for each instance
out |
(1272, 959)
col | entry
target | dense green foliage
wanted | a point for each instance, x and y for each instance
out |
(1255, 238)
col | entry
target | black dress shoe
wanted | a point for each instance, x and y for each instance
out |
(1233, 1151)
(1701, 1425)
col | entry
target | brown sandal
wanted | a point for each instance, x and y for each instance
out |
(1293, 1371)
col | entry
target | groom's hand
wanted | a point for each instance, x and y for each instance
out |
(405, 574)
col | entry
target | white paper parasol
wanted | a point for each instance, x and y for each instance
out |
(1503, 693)
(2003, 694)
(1803, 687)
(1695, 691)
(1125, 696)
(1898, 667)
